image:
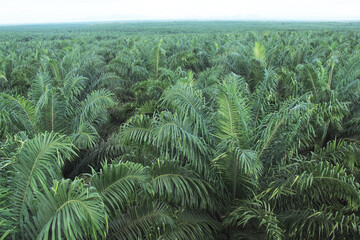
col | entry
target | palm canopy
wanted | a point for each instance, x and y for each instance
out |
(238, 135)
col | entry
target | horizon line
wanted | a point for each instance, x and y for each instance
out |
(185, 20)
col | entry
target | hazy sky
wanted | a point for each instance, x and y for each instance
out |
(42, 11)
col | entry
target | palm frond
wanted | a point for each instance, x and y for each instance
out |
(18, 113)
(7, 226)
(137, 129)
(286, 129)
(259, 51)
(175, 184)
(192, 224)
(73, 86)
(239, 169)
(141, 222)
(234, 115)
(175, 138)
(94, 104)
(85, 137)
(188, 102)
(118, 184)
(316, 183)
(322, 224)
(260, 212)
(40, 159)
(41, 83)
(69, 209)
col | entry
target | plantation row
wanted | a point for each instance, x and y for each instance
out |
(187, 134)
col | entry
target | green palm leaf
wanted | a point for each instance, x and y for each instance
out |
(85, 137)
(259, 211)
(70, 210)
(94, 104)
(40, 160)
(178, 185)
(18, 114)
(118, 184)
(322, 224)
(40, 85)
(259, 51)
(175, 138)
(141, 222)
(192, 224)
(234, 115)
(137, 129)
(312, 184)
(188, 102)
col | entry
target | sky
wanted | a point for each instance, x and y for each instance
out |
(51, 11)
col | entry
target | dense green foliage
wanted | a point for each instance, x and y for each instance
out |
(218, 130)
